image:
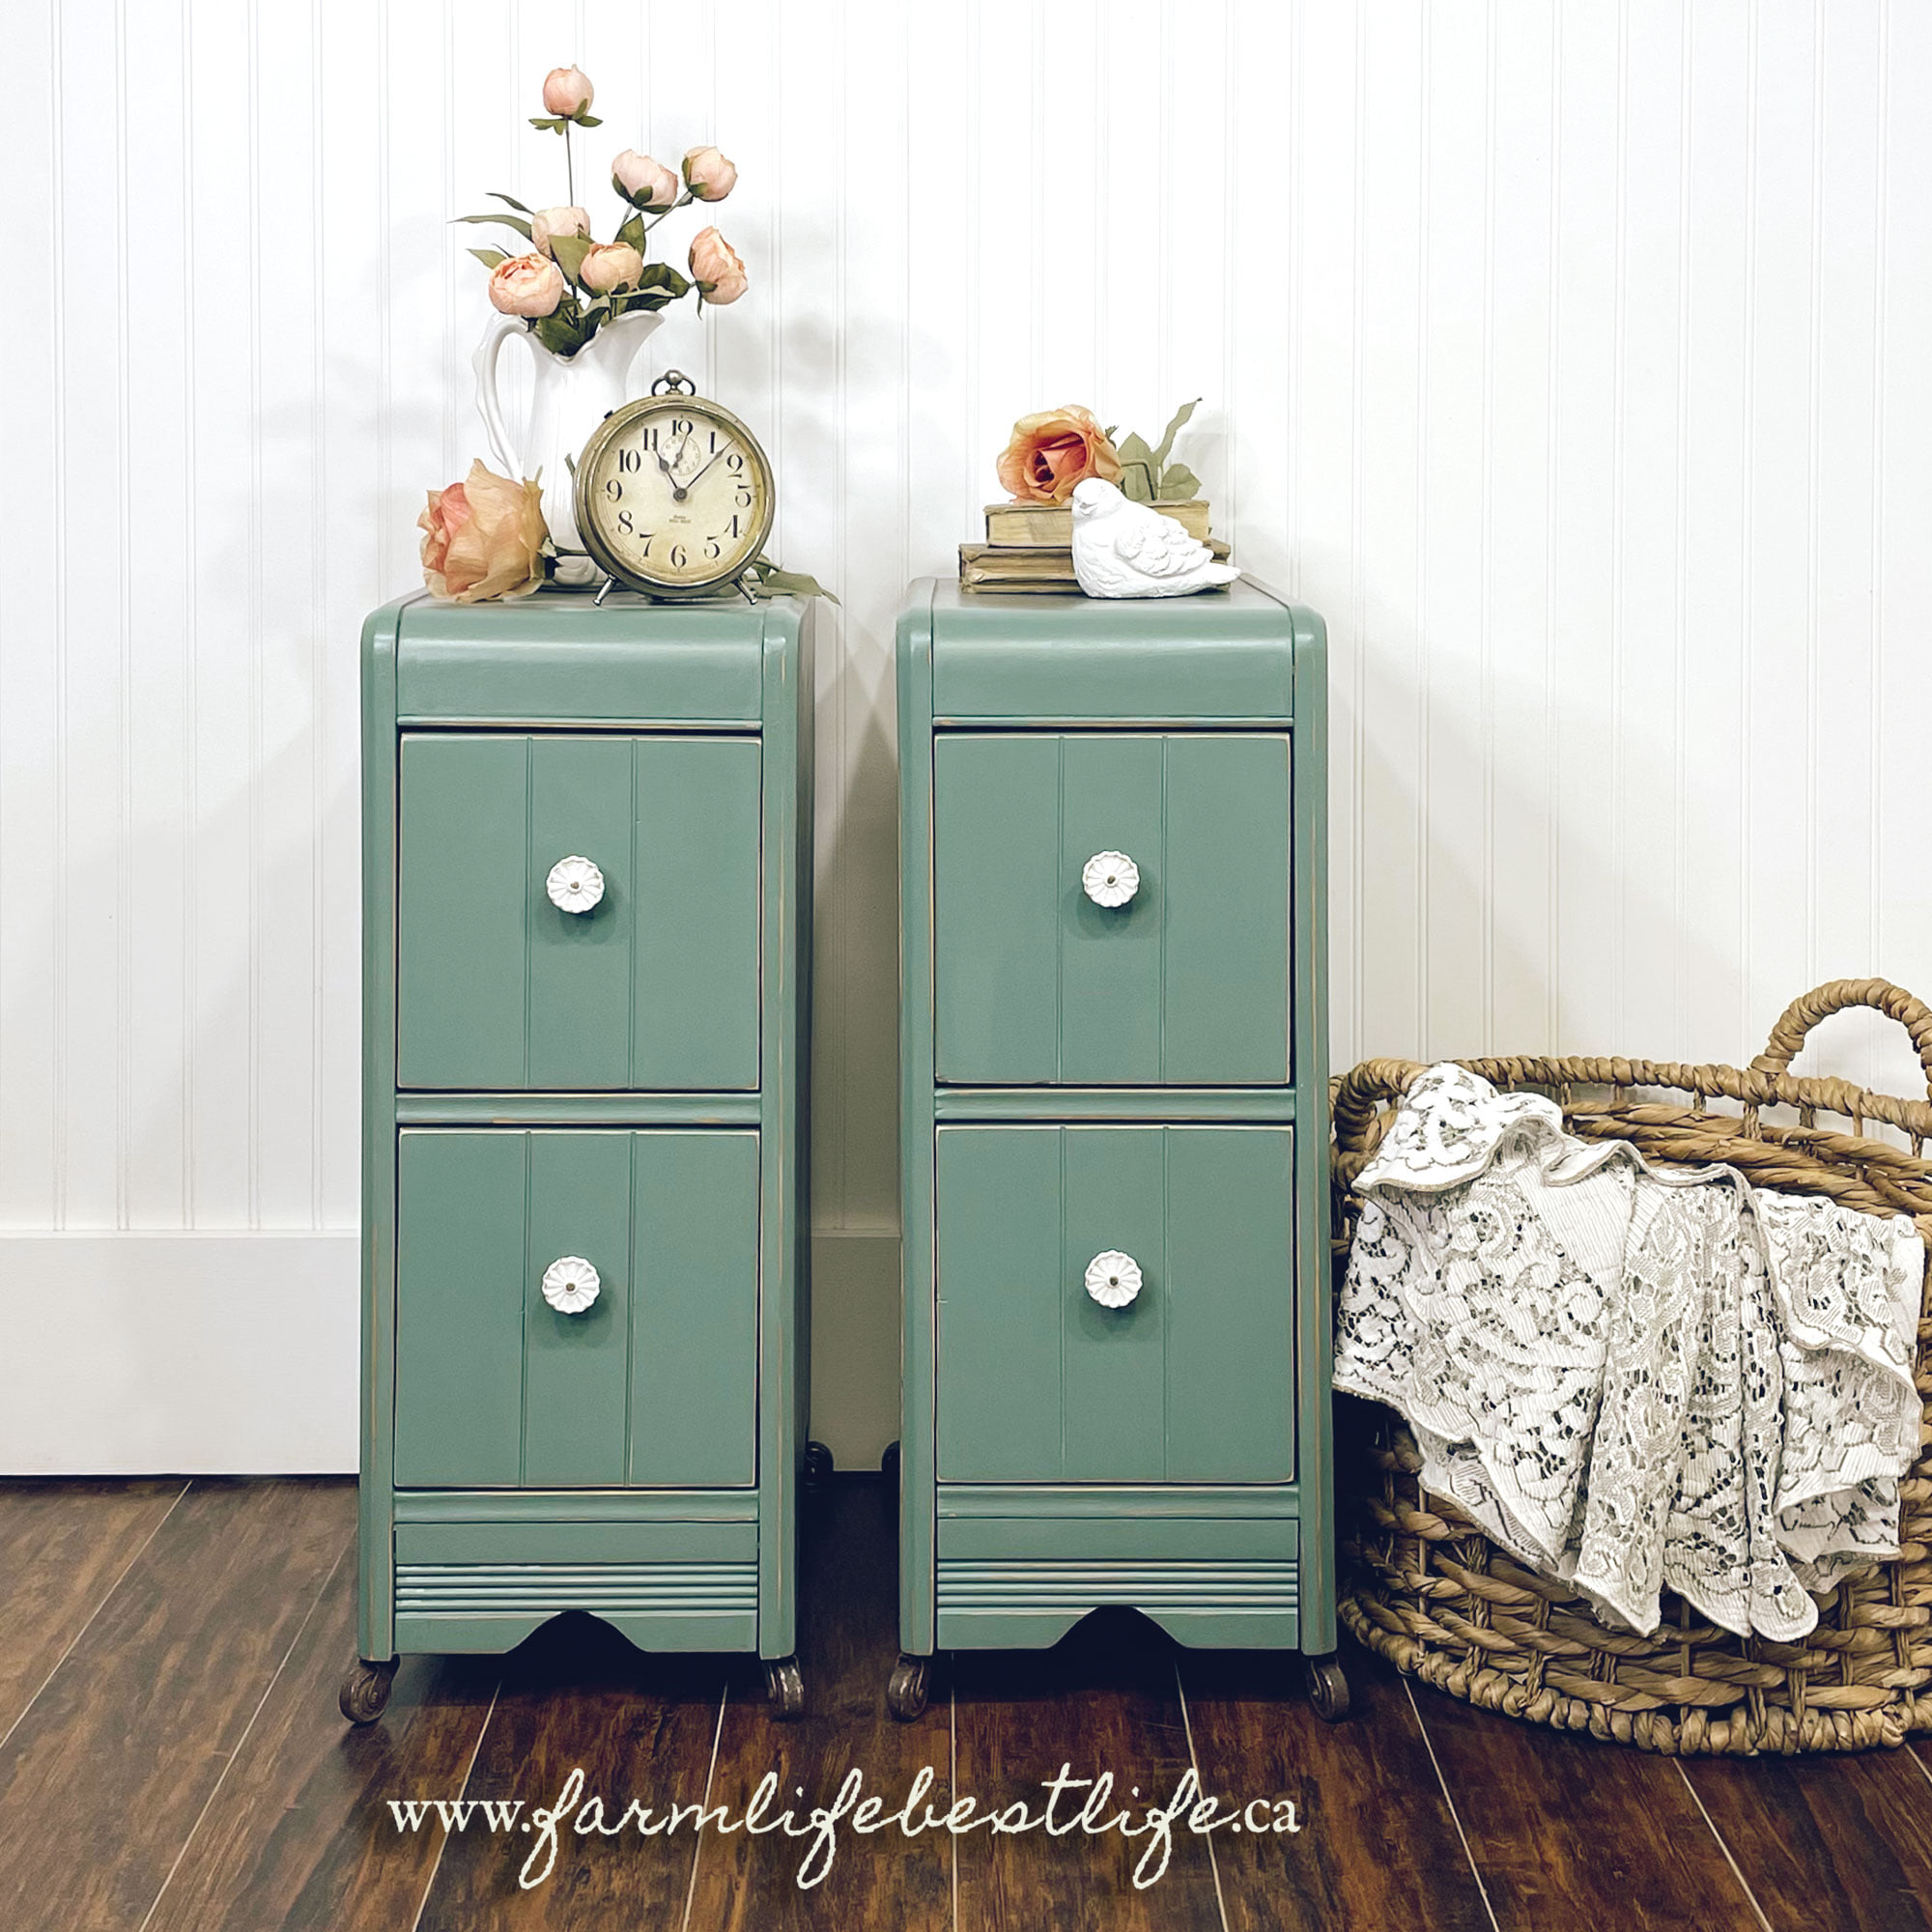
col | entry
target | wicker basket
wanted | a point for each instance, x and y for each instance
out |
(1428, 1590)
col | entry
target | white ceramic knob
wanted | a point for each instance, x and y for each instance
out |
(1110, 878)
(1113, 1279)
(570, 1284)
(574, 884)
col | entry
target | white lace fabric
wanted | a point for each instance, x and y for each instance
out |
(1635, 1378)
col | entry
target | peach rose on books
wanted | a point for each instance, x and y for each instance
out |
(1052, 451)
(527, 285)
(714, 261)
(483, 537)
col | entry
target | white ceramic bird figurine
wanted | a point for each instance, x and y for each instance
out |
(1126, 550)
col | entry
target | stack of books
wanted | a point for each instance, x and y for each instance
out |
(1029, 547)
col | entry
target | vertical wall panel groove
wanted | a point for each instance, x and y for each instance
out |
(1568, 359)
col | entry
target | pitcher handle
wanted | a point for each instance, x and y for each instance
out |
(488, 352)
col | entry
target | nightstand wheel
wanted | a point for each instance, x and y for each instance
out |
(888, 1465)
(785, 1689)
(366, 1690)
(817, 1474)
(1327, 1686)
(905, 1689)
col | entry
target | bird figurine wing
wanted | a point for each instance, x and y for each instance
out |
(1154, 545)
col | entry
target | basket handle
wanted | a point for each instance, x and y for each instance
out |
(1808, 1008)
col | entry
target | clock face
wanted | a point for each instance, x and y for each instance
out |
(673, 495)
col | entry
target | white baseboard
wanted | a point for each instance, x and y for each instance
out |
(236, 1353)
(176, 1353)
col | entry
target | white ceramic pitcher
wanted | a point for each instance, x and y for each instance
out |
(572, 396)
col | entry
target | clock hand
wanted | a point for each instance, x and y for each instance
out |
(725, 451)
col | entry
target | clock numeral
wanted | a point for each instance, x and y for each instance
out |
(713, 549)
(735, 461)
(735, 531)
(679, 427)
(624, 522)
(744, 497)
(647, 438)
(614, 489)
(713, 450)
(629, 459)
(677, 556)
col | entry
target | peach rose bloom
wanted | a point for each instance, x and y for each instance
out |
(567, 91)
(547, 222)
(639, 179)
(528, 285)
(714, 259)
(610, 264)
(483, 537)
(708, 175)
(1054, 450)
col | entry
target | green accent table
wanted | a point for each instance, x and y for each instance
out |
(584, 1295)
(1113, 1142)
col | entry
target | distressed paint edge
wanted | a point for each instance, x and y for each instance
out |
(917, 1365)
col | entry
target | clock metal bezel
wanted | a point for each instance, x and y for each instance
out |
(603, 555)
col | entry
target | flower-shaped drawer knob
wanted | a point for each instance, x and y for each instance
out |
(575, 884)
(1110, 878)
(1113, 1279)
(570, 1284)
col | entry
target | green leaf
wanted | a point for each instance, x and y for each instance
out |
(547, 124)
(776, 583)
(508, 200)
(1136, 470)
(1174, 429)
(569, 251)
(633, 231)
(661, 276)
(1178, 484)
(586, 119)
(514, 221)
(491, 258)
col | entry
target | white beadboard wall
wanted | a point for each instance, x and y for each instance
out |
(1571, 358)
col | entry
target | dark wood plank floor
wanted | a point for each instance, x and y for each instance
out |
(171, 1760)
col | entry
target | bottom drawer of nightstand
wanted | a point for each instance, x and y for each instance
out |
(650, 1382)
(1025, 1578)
(1115, 1304)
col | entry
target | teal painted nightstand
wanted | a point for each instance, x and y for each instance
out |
(586, 948)
(1114, 1125)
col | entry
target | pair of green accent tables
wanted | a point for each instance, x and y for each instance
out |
(587, 871)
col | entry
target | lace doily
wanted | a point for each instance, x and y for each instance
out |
(1634, 1379)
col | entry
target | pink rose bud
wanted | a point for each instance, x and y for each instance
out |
(530, 284)
(641, 181)
(708, 175)
(610, 264)
(567, 91)
(549, 221)
(715, 261)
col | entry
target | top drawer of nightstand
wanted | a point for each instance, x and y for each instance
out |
(557, 658)
(1219, 658)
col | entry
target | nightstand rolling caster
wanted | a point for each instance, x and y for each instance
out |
(365, 1689)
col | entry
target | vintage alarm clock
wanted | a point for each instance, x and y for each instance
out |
(675, 497)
